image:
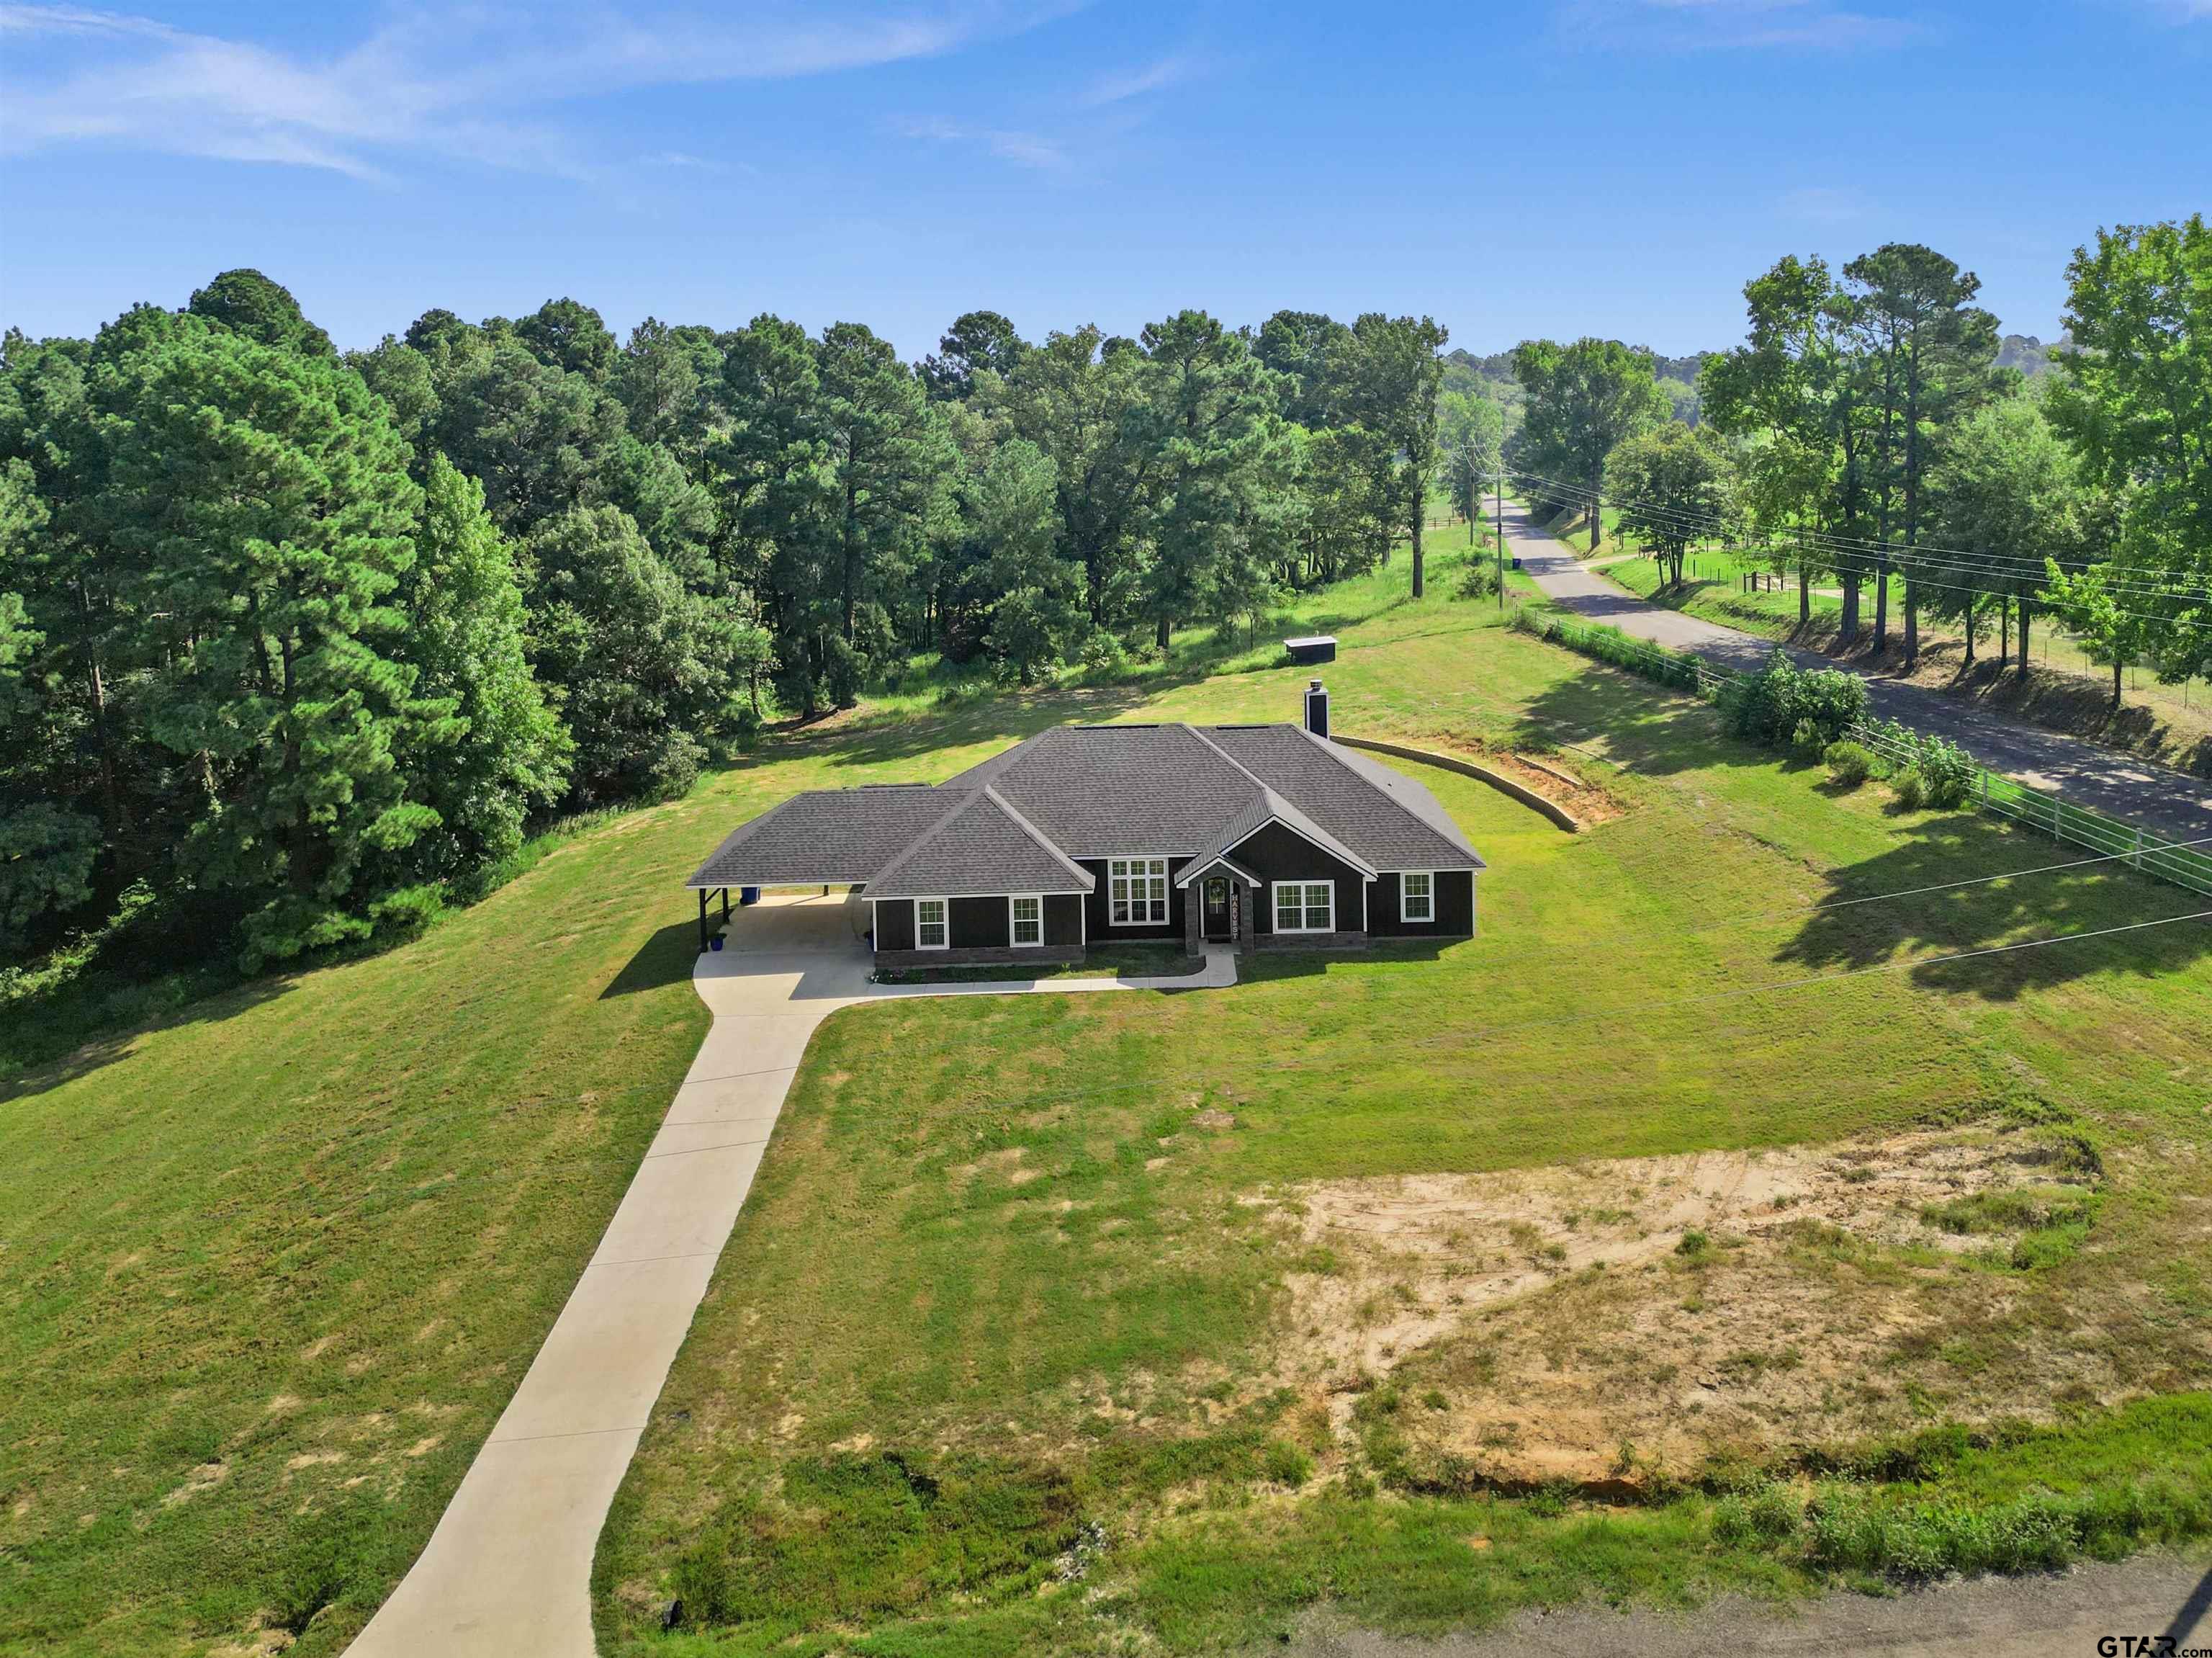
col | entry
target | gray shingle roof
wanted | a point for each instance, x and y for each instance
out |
(1391, 821)
(981, 847)
(1014, 823)
(840, 837)
(1102, 790)
(1267, 806)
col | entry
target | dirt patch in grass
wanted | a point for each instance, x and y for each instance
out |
(1608, 1319)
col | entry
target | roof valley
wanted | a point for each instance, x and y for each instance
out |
(1024, 815)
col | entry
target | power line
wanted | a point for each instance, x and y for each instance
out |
(2165, 619)
(1898, 555)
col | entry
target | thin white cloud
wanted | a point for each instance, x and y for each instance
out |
(1135, 84)
(1722, 25)
(1027, 149)
(480, 82)
(1023, 149)
(684, 161)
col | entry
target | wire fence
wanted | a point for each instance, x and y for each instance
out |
(2044, 810)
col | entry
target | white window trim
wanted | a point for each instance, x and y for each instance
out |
(1167, 889)
(1275, 905)
(1403, 915)
(918, 944)
(1037, 943)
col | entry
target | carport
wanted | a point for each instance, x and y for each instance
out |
(825, 839)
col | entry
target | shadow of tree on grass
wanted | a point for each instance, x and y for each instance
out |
(1943, 917)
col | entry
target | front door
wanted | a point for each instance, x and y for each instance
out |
(1217, 907)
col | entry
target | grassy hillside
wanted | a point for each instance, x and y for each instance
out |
(1079, 1325)
(273, 1267)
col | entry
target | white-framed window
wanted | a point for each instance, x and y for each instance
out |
(1137, 892)
(932, 925)
(1416, 895)
(1306, 906)
(1026, 921)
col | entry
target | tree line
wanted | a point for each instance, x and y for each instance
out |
(1874, 430)
(301, 644)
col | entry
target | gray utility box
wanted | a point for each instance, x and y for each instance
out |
(1316, 647)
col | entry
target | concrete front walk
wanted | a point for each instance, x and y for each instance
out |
(2163, 801)
(508, 1568)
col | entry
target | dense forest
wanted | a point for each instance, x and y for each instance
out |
(297, 645)
(300, 644)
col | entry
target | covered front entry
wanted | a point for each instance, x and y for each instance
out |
(1219, 910)
(1214, 924)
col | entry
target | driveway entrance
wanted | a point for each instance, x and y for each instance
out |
(509, 1567)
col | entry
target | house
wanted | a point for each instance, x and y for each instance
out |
(1255, 836)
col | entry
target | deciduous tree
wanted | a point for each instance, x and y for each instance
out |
(1675, 487)
(1582, 402)
(2135, 396)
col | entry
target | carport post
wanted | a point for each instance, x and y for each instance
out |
(703, 920)
(726, 903)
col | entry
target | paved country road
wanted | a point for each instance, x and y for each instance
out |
(2165, 801)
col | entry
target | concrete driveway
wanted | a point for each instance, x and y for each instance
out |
(508, 1568)
(2166, 802)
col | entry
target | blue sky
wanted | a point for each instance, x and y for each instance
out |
(1550, 167)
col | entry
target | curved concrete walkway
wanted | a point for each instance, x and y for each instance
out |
(2168, 802)
(508, 1568)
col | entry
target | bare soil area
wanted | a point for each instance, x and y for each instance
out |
(1603, 1321)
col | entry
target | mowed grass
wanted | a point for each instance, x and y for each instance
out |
(1038, 1356)
(271, 1269)
(269, 1272)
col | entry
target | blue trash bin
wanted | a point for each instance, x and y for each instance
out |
(748, 895)
(715, 942)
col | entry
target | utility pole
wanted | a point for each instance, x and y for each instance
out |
(1501, 539)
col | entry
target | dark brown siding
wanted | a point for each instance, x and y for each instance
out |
(895, 924)
(1454, 907)
(1063, 918)
(1456, 902)
(1103, 932)
(1274, 854)
(979, 923)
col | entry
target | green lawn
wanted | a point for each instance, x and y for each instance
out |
(273, 1267)
(1061, 1293)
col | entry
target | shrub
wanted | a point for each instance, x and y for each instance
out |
(1909, 787)
(1479, 580)
(1850, 763)
(1945, 775)
(1781, 698)
(1949, 772)
(1808, 739)
(1610, 645)
(1102, 653)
